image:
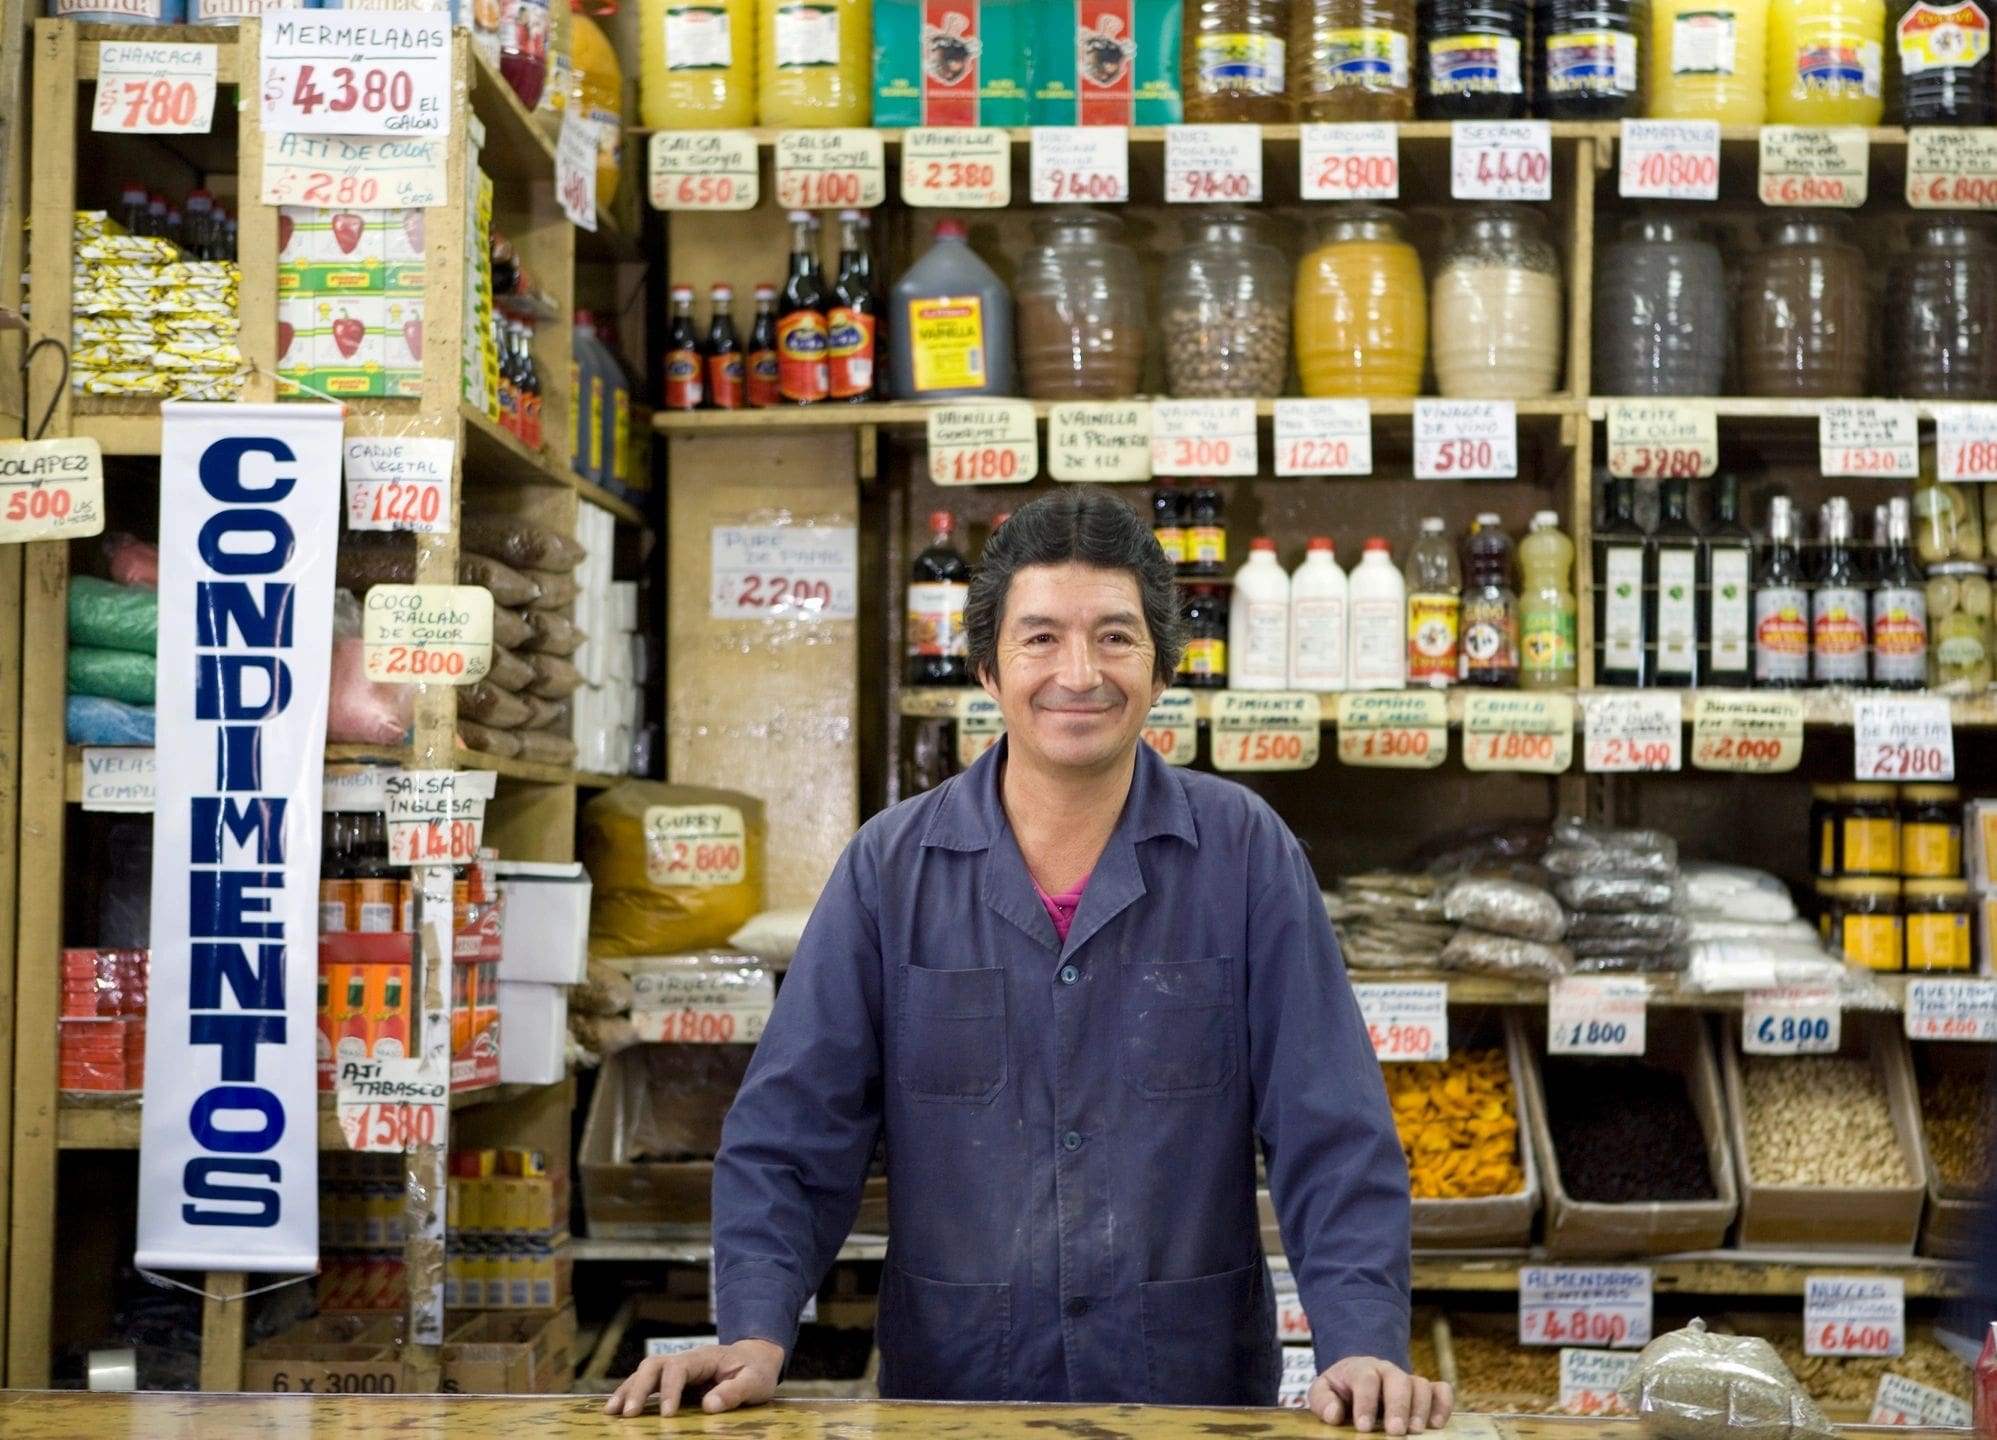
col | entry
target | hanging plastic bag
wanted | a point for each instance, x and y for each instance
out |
(1691, 1385)
(676, 867)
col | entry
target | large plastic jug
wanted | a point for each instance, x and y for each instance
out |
(950, 324)
(1826, 62)
(588, 396)
(697, 64)
(815, 63)
(596, 89)
(1706, 60)
(615, 422)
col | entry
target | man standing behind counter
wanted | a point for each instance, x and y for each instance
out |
(1076, 985)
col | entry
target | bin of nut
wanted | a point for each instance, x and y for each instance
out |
(1957, 1121)
(1225, 310)
(1845, 1386)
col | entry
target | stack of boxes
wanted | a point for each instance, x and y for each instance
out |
(610, 706)
(350, 302)
(103, 1021)
(545, 950)
(148, 322)
(507, 1229)
(360, 1233)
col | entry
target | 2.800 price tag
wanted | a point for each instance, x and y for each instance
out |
(1466, 440)
(1606, 1307)
(1265, 730)
(145, 89)
(427, 634)
(356, 73)
(1350, 162)
(1406, 1022)
(1854, 1315)
(1394, 730)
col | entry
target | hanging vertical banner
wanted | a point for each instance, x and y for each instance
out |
(249, 517)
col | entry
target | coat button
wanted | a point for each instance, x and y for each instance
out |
(1069, 974)
(1072, 1140)
(1076, 1308)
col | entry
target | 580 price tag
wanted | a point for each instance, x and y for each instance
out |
(1466, 440)
(1350, 162)
(1212, 164)
(1265, 730)
(1081, 164)
(1670, 160)
(1854, 1315)
(1395, 730)
(1406, 1022)
(147, 89)
(1324, 437)
(1801, 165)
(1903, 740)
(1203, 437)
(1597, 1015)
(1607, 1307)
(356, 73)
(1501, 160)
(1795, 1020)
(703, 170)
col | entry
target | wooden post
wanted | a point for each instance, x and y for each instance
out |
(222, 1329)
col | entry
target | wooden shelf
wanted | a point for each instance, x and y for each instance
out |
(914, 415)
(111, 1122)
(623, 509)
(515, 147)
(355, 756)
(1412, 132)
(1748, 407)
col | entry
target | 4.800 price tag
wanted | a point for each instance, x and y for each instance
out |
(1406, 1022)
(1606, 1307)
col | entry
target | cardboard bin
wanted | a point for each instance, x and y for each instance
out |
(1497, 1220)
(1956, 1218)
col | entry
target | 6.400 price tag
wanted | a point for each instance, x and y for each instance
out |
(1406, 1022)
(1854, 1315)
(1602, 1308)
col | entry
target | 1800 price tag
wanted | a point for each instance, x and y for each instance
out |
(1606, 1307)
(1406, 1022)
(1597, 1015)
(1533, 734)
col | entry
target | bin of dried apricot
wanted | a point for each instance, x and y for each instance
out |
(1458, 1123)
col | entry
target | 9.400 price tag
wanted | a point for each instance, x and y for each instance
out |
(1213, 164)
(1080, 164)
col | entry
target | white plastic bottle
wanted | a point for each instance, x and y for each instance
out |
(1379, 600)
(1318, 621)
(1258, 622)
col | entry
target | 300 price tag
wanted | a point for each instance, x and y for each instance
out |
(702, 170)
(1203, 437)
(1466, 440)
(435, 816)
(1854, 1315)
(427, 634)
(1265, 730)
(1869, 437)
(1801, 165)
(1952, 1010)
(356, 73)
(147, 89)
(1212, 164)
(1952, 169)
(1750, 734)
(1903, 739)
(1101, 441)
(1590, 1381)
(957, 169)
(979, 725)
(1607, 1307)
(1501, 160)
(1395, 730)
(1350, 162)
(831, 169)
(1670, 160)
(400, 483)
(1533, 734)
(1082, 164)
(1665, 439)
(991, 442)
(1965, 443)
(50, 490)
(1324, 437)
(1172, 728)
(1630, 733)
(1406, 1022)
(1793, 1020)
(1597, 1015)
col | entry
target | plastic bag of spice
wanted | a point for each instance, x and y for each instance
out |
(676, 867)
(1508, 907)
(113, 617)
(520, 543)
(1691, 1385)
(1513, 955)
(509, 627)
(1616, 893)
(1579, 849)
(487, 740)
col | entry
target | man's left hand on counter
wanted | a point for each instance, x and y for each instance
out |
(1361, 1391)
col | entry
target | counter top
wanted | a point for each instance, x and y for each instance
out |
(44, 1415)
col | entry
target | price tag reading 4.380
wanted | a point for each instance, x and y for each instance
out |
(1406, 1022)
(1265, 730)
(1605, 1307)
(356, 73)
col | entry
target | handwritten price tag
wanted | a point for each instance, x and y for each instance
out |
(956, 169)
(435, 816)
(1210, 164)
(785, 572)
(1868, 438)
(1293, 1390)
(1792, 1020)
(1082, 164)
(1203, 437)
(1966, 442)
(1590, 1381)
(1393, 730)
(1903, 740)
(1501, 160)
(1096, 441)
(358, 171)
(1172, 728)
(1406, 1022)
(356, 73)
(400, 483)
(1749, 734)
(1951, 169)
(1599, 1307)
(1854, 1315)
(1466, 440)
(391, 1105)
(1533, 734)
(1670, 160)
(1597, 1015)
(993, 442)
(688, 1000)
(1265, 730)
(1952, 1010)
(1631, 733)
(155, 89)
(427, 634)
(1900, 1401)
(50, 490)
(831, 169)
(1324, 437)
(979, 725)
(119, 779)
(702, 170)
(1668, 439)
(1292, 1325)
(575, 168)
(1350, 162)
(697, 845)
(1812, 167)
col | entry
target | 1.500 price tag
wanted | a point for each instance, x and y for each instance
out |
(1952, 1010)
(1265, 730)
(1670, 160)
(1794, 1020)
(1854, 1315)
(1350, 162)
(1533, 734)
(50, 490)
(1599, 1307)
(1903, 740)
(1324, 437)
(1501, 160)
(956, 169)
(703, 170)
(1203, 437)
(356, 73)
(1751, 734)
(427, 634)
(1597, 1015)
(147, 89)
(1081, 164)
(831, 169)
(1631, 733)
(1395, 730)
(1173, 728)
(1668, 439)
(991, 442)
(1466, 440)
(1406, 1022)
(1805, 166)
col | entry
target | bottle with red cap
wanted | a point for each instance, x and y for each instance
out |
(1318, 600)
(724, 352)
(132, 207)
(1258, 621)
(685, 365)
(855, 313)
(950, 324)
(937, 650)
(761, 373)
(804, 372)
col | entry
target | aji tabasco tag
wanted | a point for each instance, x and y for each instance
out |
(1324, 437)
(1802, 165)
(1631, 733)
(1209, 164)
(702, 170)
(979, 725)
(1406, 1022)
(1668, 439)
(1393, 729)
(1520, 732)
(50, 490)
(1099, 440)
(1080, 164)
(1951, 168)
(1869, 437)
(1350, 162)
(1172, 728)
(831, 169)
(956, 169)
(990, 442)
(1265, 730)
(1750, 734)
(1203, 437)
(427, 634)
(435, 816)
(391, 1104)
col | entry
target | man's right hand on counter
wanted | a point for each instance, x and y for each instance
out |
(744, 1373)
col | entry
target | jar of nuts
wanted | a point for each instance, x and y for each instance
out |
(1225, 310)
(1079, 309)
(1959, 627)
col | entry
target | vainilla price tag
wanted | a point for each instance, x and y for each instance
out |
(991, 442)
(1203, 437)
(1100, 441)
(1607, 1307)
(1862, 1315)
(956, 168)
(1406, 1022)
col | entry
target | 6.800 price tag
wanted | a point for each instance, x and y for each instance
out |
(1952, 169)
(1406, 1022)
(1795, 1020)
(1802, 165)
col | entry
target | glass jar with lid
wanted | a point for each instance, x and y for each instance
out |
(1948, 522)
(1224, 309)
(1078, 309)
(1496, 307)
(1803, 301)
(1660, 310)
(1930, 832)
(1233, 62)
(1361, 308)
(1868, 830)
(1869, 928)
(1941, 311)
(1937, 923)
(1959, 633)
(1353, 60)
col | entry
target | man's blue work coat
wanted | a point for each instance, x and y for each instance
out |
(1071, 1128)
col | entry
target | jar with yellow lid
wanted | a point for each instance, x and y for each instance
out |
(1825, 897)
(1937, 924)
(1930, 832)
(1824, 830)
(1869, 925)
(1868, 830)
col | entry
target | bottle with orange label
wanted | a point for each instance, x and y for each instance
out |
(725, 369)
(804, 371)
(685, 365)
(1838, 607)
(855, 314)
(761, 372)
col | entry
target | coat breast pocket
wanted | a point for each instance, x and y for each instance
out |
(1179, 1024)
(952, 1034)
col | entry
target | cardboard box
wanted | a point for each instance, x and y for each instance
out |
(525, 1354)
(330, 1354)
(1496, 1220)
(1887, 1218)
(1106, 62)
(547, 922)
(1956, 1221)
(535, 1021)
(364, 346)
(951, 62)
(1675, 1040)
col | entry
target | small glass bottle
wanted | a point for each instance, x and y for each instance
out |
(1206, 536)
(1473, 59)
(1672, 590)
(852, 324)
(1782, 605)
(1490, 607)
(725, 370)
(804, 372)
(1899, 608)
(1726, 590)
(938, 585)
(1621, 562)
(1589, 63)
(1233, 62)
(762, 372)
(1168, 520)
(685, 365)
(1838, 608)
(1203, 663)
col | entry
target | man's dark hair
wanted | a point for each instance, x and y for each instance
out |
(1081, 526)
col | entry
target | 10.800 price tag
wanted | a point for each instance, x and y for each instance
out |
(1406, 1022)
(1350, 162)
(1854, 1315)
(356, 73)
(1466, 440)
(147, 89)
(1265, 730)
(1604, 1307)
(1670, 160)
